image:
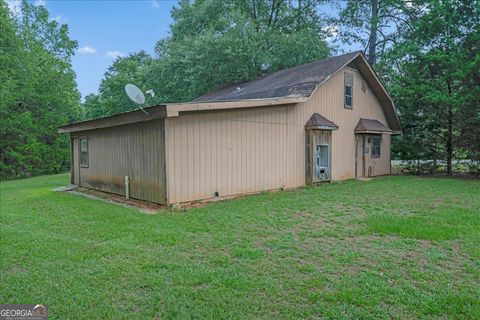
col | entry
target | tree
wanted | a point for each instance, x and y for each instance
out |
(212, 43)
(112, 98)
(39, 95)
(435, 81)
(217, 42)
(375, 24)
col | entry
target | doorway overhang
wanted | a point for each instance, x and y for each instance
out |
(318, 122)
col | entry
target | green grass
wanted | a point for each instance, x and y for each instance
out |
(393, 247)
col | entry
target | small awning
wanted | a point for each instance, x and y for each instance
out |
(320, 123)
(372, 126)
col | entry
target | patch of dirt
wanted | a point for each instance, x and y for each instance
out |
(144, 206)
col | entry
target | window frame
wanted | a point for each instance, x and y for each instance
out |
(80, 152)
(347, 83)
(373, 154)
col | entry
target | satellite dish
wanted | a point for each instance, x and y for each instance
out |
(135, 94)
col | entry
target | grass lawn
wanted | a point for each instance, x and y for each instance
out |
(393, 247)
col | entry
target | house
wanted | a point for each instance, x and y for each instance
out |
(326, 120)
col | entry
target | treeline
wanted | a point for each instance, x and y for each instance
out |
(427, 53)
(38, 92)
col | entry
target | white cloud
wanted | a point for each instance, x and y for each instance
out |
(87, 50)
(40, 3)
(155, 4)
(59, 19)
(114, 54)
(14, 6)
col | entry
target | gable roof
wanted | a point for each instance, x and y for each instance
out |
(316, 121)
(298, 81)
(301, 82)
(371, 126)
(289, 86)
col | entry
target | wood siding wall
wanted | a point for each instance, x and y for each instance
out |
(135, 150)
(249, 150)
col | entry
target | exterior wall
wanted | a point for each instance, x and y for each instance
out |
(249, 150)
(135, 150)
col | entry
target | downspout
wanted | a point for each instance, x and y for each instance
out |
(127, 187)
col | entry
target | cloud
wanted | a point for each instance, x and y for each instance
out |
(114, 54)
(39, 3)
(87, 50)
(155, 4)
(59, 19)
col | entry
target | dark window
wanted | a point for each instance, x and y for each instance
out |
(84, 152)
(348, 90)
(376, 147)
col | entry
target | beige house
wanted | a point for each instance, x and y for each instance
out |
(326, 120)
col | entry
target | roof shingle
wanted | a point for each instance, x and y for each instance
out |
(371, 126)
(298, 81)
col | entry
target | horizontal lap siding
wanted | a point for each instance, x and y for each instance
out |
(135, 150)
(249, 150)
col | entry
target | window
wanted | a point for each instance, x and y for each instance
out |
(322, 156)
(348, 90)
(376, 147)
(84, 152)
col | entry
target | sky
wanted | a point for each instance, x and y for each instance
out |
(106, 29)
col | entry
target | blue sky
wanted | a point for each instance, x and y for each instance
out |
(107, 29)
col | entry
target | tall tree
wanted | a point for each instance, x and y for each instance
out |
(41, 92)
(215, 42)
(112, 98)
(436, 78)
(375, 24)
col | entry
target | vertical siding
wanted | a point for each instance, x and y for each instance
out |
(249, 150)
(136, 150)
(75, 161)
(328, 101)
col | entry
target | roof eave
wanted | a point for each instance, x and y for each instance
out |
(172, 110)
(373, 132)
(331, 128)
(123, 118)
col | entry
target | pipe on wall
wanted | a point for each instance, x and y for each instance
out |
(127, 187)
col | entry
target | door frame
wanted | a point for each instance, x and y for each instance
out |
(360, 140)
(74, 163)
(310, 147)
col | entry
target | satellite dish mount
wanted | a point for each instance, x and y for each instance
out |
(137, 96)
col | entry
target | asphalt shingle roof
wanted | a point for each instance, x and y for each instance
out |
(369, 125)
(298, 81)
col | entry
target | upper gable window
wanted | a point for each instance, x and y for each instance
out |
(348, 103)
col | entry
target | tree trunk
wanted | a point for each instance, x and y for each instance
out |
(372, 39)
(449, 141)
